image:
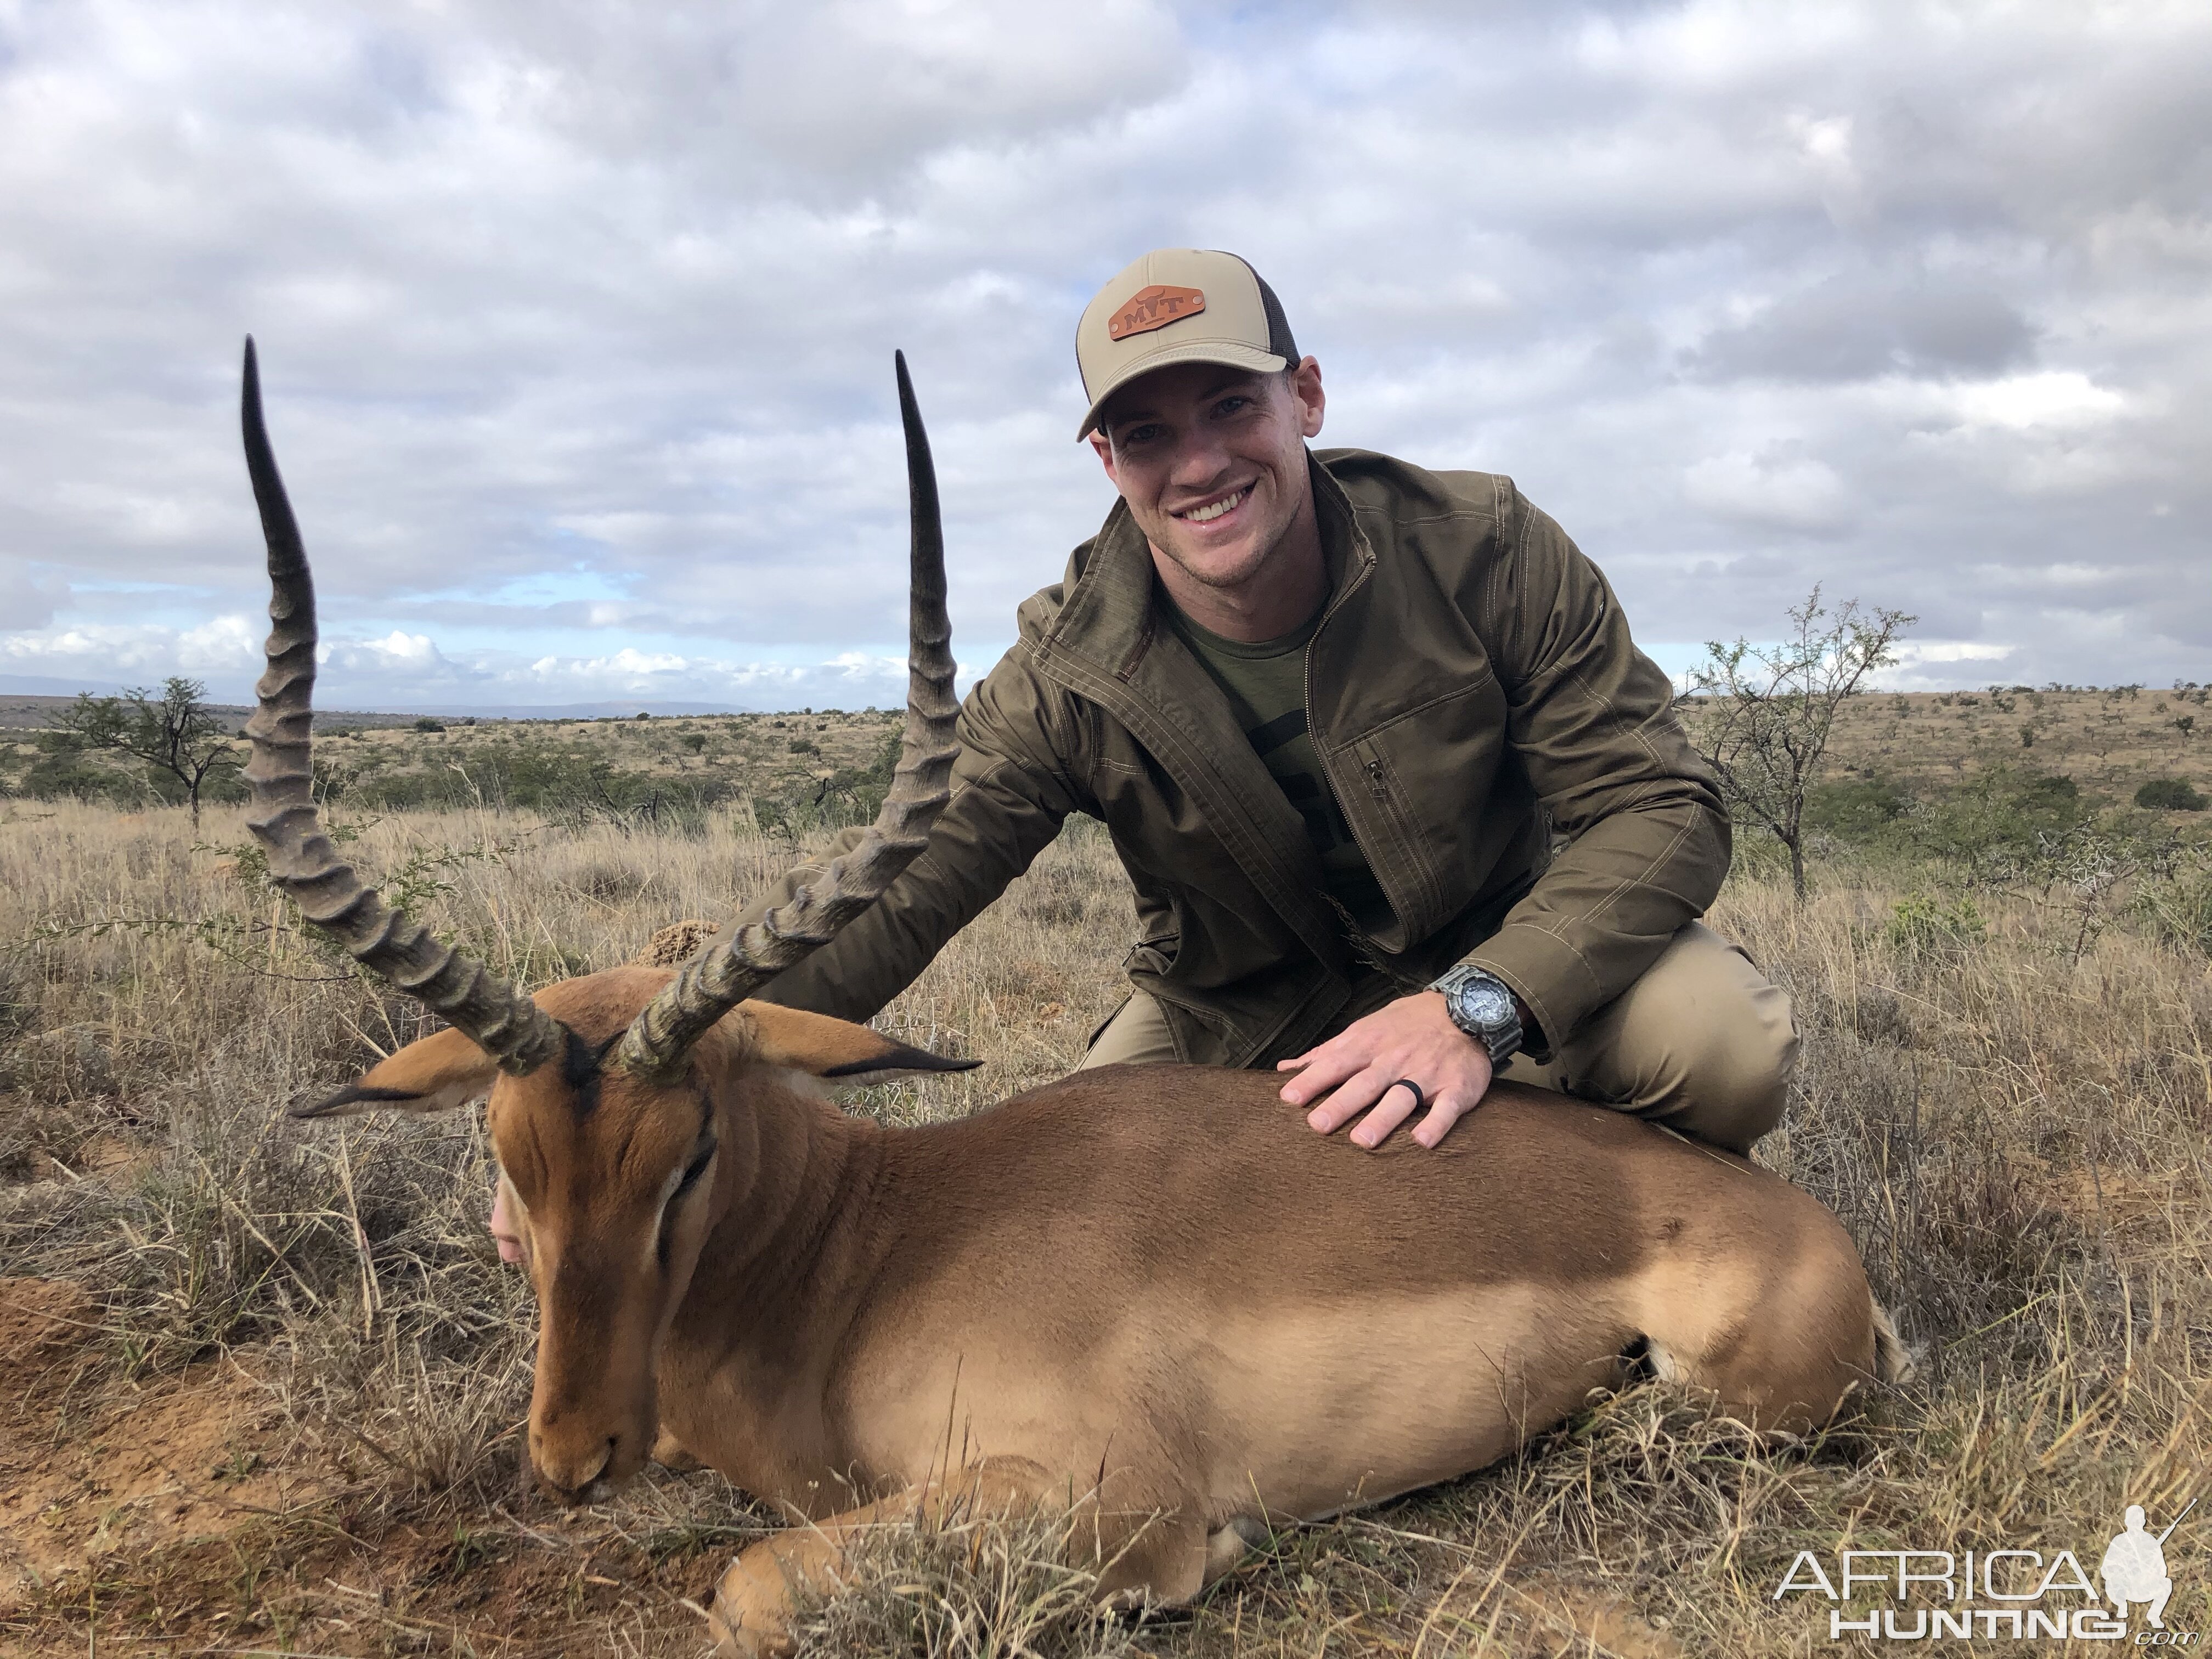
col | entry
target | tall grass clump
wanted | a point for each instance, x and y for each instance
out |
(967, 1581)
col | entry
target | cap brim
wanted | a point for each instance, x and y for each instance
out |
(1230, 354)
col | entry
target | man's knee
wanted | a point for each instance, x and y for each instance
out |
(1736, 1070)
(1704, 1043)
(1136, 1035)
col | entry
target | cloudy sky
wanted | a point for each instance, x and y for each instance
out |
(576, 317)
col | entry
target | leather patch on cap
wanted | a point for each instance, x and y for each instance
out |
(1154, 308)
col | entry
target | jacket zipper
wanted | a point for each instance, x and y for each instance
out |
(1374, 767)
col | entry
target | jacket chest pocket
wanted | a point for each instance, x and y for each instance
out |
(1414, 788)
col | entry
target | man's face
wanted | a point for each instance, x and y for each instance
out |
(1213, 463)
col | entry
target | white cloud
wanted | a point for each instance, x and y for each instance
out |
(1936, 665)
(1915, 652)
(404, 670)
(396, 652)
(1774, 491)
(2057, 398)
(224, 646)
(1911, 296)
(629, 669)
(99, 655)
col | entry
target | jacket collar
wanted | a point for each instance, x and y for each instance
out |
(1109, 613)
(1108, 644)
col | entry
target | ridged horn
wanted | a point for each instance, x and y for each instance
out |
(505, 1024)
(716, 982)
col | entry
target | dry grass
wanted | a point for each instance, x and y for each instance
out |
(2017, 1141)
(968, 1581)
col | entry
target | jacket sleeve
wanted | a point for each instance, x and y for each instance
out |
(1010, 797)
(1591, 721)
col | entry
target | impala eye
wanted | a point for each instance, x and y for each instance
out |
(693, 1170)
(690, 1179)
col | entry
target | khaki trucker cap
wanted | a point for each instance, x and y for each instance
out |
(1178, 304)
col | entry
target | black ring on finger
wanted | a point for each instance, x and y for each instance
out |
(1420, 1099)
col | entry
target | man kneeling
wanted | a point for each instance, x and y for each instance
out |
(1334, 710)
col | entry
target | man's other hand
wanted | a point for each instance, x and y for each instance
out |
(1411, 1038)
(504, 1232)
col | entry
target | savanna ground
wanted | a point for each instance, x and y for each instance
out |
(262, 1383)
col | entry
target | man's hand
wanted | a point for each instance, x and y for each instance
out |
(503, 1230)
(1412, 1037)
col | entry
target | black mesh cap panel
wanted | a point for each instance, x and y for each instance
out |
(1279, 326)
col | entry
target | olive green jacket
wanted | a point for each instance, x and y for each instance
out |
(1471, 680)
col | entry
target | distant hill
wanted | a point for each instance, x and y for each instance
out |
(25, 697)
(581, 711)
(42, 685)
(36, 711)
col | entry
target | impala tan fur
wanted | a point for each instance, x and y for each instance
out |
(1149, 1290)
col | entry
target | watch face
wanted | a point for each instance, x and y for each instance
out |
(1484, 1003)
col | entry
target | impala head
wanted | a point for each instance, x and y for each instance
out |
(615, 1179)
(615, 1099)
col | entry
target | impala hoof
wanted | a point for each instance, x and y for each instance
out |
(750, 1615)
(737, 1642)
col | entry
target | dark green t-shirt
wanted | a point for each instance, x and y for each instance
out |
(1266, 685)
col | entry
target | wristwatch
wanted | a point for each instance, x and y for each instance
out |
(1481, 1005)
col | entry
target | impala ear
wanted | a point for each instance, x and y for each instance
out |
(836, 1050)
(439, 1072)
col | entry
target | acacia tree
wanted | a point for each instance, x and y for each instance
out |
(1771, 708)
(175, 731)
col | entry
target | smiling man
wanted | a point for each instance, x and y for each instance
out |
(1401, 802)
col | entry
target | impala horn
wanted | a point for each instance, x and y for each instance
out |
(715, 982)
(505, 1024)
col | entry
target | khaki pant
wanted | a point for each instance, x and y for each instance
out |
(1703, 1043)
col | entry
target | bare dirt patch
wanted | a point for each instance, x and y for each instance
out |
(1567, 1620)
(185, 1508)
(93, 1469)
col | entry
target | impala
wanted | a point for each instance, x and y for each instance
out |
(1151, 1290)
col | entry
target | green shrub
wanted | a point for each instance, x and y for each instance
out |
(2176, 911)
(426, 724)
(63, 771)
(1855, 809)
(2169, 795)
(1926, 929)
(398, 792)
(1996, 824)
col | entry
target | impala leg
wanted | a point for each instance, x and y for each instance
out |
(1783, 1345)
(1227, 1546)
(750, 1618)
(1168, 1563)
(668, 1452)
